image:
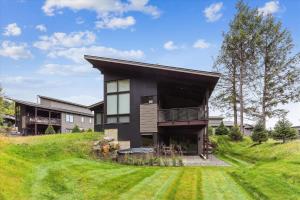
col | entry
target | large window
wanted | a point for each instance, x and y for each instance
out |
(98, 119)
(69, 118)
(118, 101)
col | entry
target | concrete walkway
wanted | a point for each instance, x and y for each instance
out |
(198, 161)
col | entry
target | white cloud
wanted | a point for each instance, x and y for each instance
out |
(14, 51)
(212, 13)
(201, 44)
(59, 40)
(12, 30)
(41, 27)
(115, 23)
(269, 8)
(64, 70)
(76, 54)
(102, 7)
(170, 45)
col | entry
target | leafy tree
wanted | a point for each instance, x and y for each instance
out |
(235, 134)
(76, 129)
(278, 79)
(50, 130)
(222, 129)
(259, 134)
(283, 131)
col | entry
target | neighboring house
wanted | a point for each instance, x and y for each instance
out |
(215, 121)
(8, 120)
(153, 105)
(97, 108)
(34, 118)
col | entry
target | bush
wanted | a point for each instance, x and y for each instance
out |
(283, 131)
(222, 129)
(235, 134)
(89, 130)
(259, 134)
(210, 130)
(50, 130)
(75, 129)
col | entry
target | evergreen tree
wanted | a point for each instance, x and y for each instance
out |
(259, 134)
(50, 130)
(222, 129)
(237, 60)
(1, 106)
(283, 131)
(235, 133)
(76, 129)
(278, 77)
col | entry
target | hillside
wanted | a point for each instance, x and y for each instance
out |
(62, 167)
(269, 170)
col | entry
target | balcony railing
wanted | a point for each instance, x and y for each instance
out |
(43, 120)
(182, 114)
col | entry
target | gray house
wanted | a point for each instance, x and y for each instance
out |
(34, 118)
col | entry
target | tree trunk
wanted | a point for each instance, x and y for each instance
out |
(241, 99)
(265, 83)
(234, 96)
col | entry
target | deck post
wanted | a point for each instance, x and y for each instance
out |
(35, 125)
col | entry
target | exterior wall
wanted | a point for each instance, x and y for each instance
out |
(139, 86)
(98, 110)
(64, 106)
(148, 118)
(67, 126)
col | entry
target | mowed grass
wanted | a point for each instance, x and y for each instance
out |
(267, 171)
(63, 167)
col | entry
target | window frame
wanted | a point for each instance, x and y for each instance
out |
(117, 93)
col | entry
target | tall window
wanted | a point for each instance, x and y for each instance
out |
(69, 118)
(118, 101)
(98, 119)
(82, 119)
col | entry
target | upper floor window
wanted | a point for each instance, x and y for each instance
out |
(82, 119)
(118, 101)
(69, 118)
(148, 100)
(90, 120)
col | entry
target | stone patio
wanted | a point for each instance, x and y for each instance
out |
(198, 161)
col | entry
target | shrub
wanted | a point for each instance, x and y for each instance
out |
(180, 162)
(50, 130)
(210, 130)
(259, 134)
(75, 129)
(89, 130)
(222, 129)
(283, 131)
(235, 133)
(174, 161)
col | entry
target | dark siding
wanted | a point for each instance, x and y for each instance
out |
(98, 109)
(139, 86)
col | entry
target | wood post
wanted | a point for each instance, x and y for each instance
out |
(35, 125)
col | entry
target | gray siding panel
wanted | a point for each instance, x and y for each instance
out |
(65, 126)
(148, 118)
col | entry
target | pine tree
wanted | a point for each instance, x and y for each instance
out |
(279, 79)
(283, 131)
(259, 134)
(50, 130)
(222, 129)
(235, 133)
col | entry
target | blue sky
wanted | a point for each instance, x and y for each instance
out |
(43, 42)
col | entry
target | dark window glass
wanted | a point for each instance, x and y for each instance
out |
(147, 141)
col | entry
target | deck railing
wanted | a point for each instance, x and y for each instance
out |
(182, 114)
(43, 120)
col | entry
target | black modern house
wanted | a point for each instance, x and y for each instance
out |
(151, 105)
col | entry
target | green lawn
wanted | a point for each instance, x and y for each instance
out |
(62, 167)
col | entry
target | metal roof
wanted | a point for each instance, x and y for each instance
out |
(153, 66)
(63, 101)
(96, 104)
(28, 103)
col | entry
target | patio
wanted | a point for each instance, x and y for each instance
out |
(198, 161)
